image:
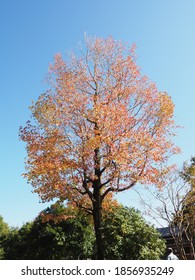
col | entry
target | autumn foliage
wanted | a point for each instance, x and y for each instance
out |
(99, 129)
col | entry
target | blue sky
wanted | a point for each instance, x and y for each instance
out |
(33, 31)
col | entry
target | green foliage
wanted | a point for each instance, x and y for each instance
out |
(188, 174)
(64, 233)
(188, 171)
(4, 230)
(63, 240)
(17, 245)
(66, 239)
(187, 214)
(128, 237)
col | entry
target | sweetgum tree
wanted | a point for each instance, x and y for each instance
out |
(99, 129)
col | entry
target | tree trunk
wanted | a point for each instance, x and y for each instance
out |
(97, 218)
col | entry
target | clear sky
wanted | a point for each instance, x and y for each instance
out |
(32, 31)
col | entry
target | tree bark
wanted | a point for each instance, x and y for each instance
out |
(97, 199)
(97, 218)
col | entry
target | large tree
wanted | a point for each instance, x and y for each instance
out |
(100, 128)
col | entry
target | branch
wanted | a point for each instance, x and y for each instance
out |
(85, 186)
(108, 181)
(117, 190)
(111, 189)
(103, 169)
(90, 121)
(88, 210)
(151, 209)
